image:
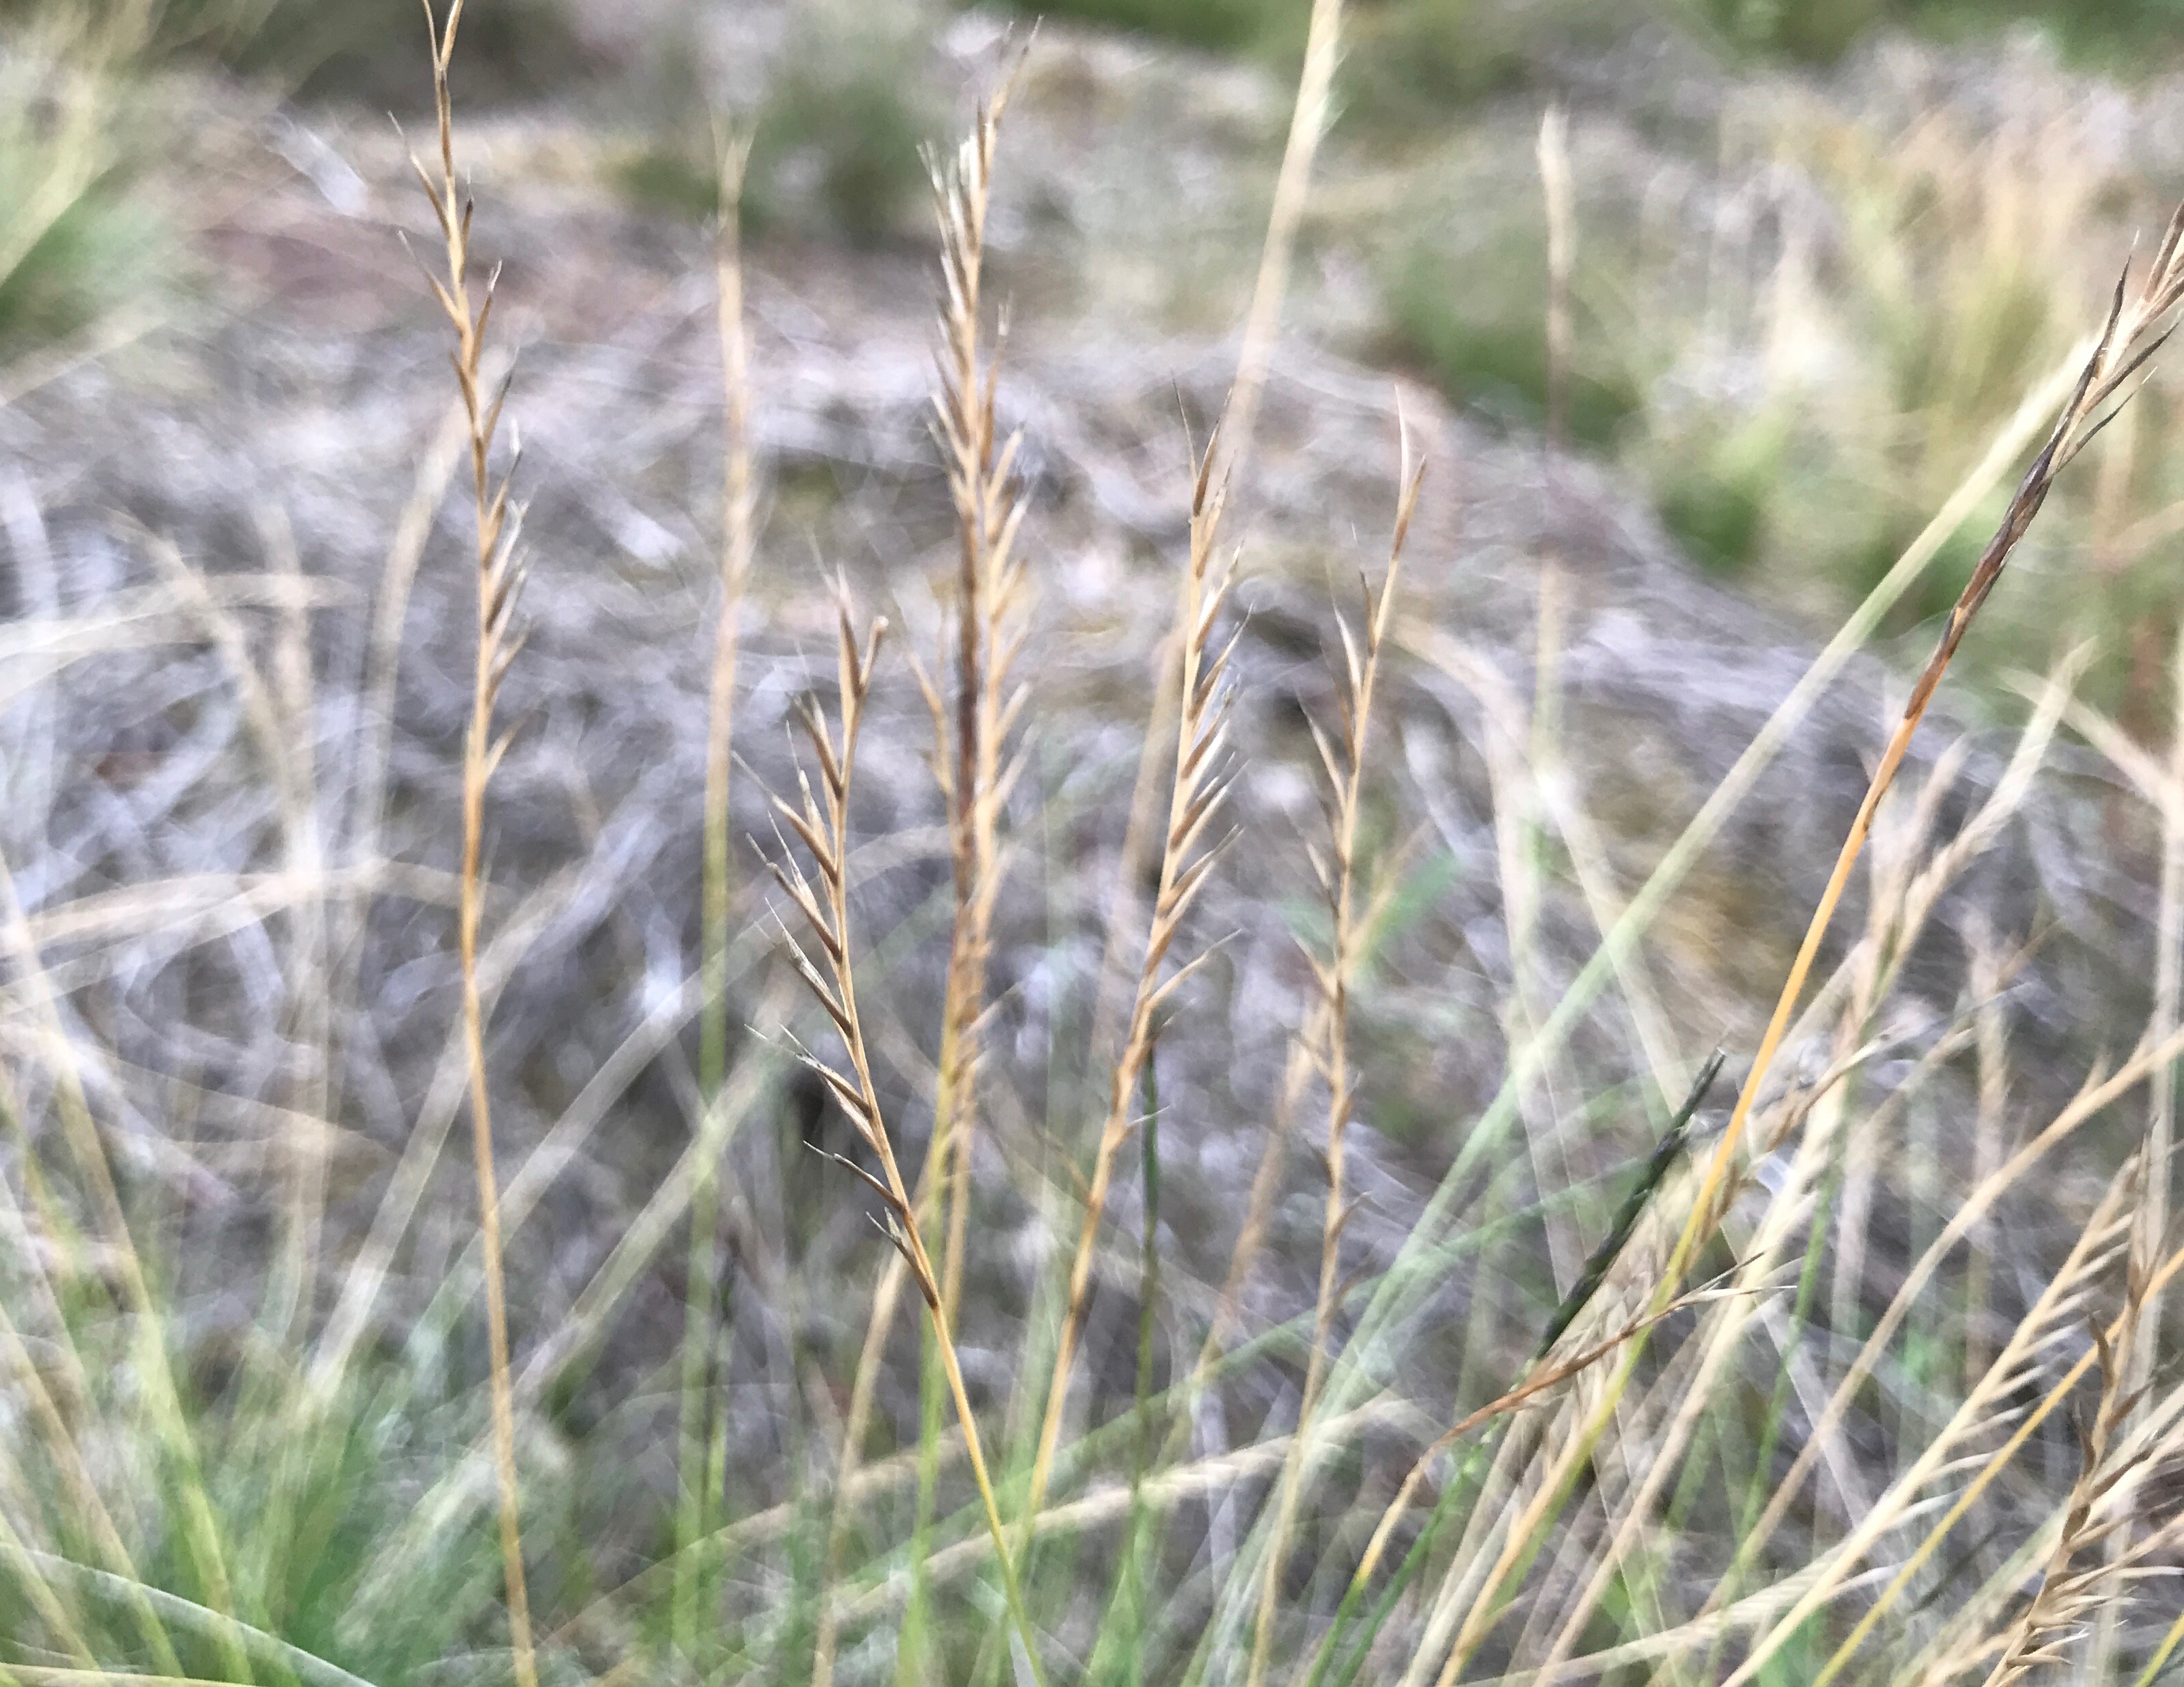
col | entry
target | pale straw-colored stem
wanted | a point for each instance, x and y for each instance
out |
(499, 578)
(1344, 765)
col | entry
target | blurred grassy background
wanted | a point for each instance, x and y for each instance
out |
(1793, 399)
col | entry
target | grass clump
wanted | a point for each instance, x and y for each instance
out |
(1233, 25)
(365, 49)
(834, 147)
(78, 240)
(1816, 32)
(1468, 316)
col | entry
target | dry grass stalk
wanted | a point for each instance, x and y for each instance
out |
(821, 824)
(2059, 1308)
(2070, 1590)
(1539, 1380)
(500, 571)
(1309, 116)
(1903, 901)
(969, 731)
(1262, 321)
(1891, 1510)
(2139, 322)
(2100, 1091)
(1344, 762)
(971, 728)
(1195, 796)
(1558, 190)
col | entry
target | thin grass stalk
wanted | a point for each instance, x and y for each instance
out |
(2104, 1235)
(2169, 992)
(1896, 915)
(2162, 1653)
(1309, 116)
(1560, 199)
(1187, 856)
(1484, 1589)
(2143, 1352)
(968, 732)
(971, 727)
(1118, 1436)
(2068, 1595)
(968, 745)
(2138, 325)
(1344, 763)
(1989, 974)
(1990, 1470)
(500, 571)
(1308, 121)
(1536, 1376)
(1148, 1276)
(823, 828)
(1126, 1624)
(1397, 1291)
(697, 1492)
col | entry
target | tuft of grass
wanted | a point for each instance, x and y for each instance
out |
(1815, 32)
(361, 49)
(80, 242)
(1231, 25)
(360, 1535)
(1467, 318)
(835, 144)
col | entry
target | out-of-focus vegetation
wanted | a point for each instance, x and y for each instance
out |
(1461, 48)
(835, 145)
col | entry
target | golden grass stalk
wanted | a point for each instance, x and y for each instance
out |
(971, 727)
(500, 572)
(2130, 336)
(1309, 114)
(1344, 762)
(821, 825)
(2097, 1093)
(1901, 904)
(2139, 322)
(1194, 794)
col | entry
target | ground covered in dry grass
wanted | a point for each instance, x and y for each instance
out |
(1602, 789)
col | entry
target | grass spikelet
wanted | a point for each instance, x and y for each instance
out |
(1187, 856)
(973, 707)
(971, 727)
(1344, 761)
(500, 574)
(822, 898)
